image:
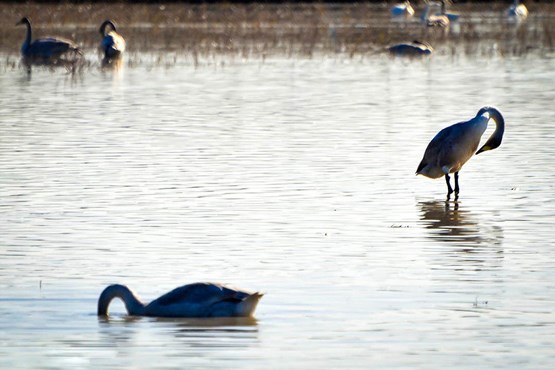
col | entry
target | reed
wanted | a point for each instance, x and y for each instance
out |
(204, 32)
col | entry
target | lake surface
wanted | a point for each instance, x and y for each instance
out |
(293, 176)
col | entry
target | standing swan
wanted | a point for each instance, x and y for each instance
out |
(454, 145)
(192, 300)
(46, 50)
(435, 20)
(112, 44)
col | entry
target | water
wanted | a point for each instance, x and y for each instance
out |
(292, 176)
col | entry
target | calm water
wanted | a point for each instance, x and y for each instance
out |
(290, 176)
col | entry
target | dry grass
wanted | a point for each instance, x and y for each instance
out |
(261, 30)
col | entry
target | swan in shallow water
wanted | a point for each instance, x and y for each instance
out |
(112, 44)
(45, 50)
(434, 20)
(411, 49)
(453, 146)
(453, 17)
(192, 300)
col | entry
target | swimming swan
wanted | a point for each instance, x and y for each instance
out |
(112, 44)
(411, 49)
(192, 300)
(453, 146)
(46, 49)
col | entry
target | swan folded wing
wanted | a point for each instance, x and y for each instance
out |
(50, 47)
(200, 293)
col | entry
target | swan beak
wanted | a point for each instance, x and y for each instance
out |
(485, 148)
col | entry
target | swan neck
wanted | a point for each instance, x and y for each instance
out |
(132, 303)
(29, 36)
(495, 139)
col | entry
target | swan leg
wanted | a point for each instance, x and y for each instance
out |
(457, 183)
(447, 180)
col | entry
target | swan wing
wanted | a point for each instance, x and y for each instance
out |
(200, 293)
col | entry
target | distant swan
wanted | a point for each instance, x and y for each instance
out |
(435, 20)
(46, 49)
(112, 44)
(453, 17)
(192, 300)
(411, 49)
(453, 146)
(517, 11)
(403, 9)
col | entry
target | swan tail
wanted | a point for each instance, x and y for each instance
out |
(248, 305)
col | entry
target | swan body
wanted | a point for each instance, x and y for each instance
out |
(46, 49)
(517, 11)
(453, 146)
(192, 300)
(411, 49)
(112, 44)
(402, 10)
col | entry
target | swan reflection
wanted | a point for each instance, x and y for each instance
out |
(448, 221)
(203, 333)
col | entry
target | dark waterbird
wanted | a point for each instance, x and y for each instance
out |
(192, 300)
(453, 146)
(49, 50)
(410, 49)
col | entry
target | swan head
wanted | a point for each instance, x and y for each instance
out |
(106, 23)
(23, 20)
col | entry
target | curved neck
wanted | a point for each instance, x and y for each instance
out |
(28, 39)
(133, 305)
(495, 139)
(104, 25)
(425, 13)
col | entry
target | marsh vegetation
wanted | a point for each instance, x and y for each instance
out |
(169, 33)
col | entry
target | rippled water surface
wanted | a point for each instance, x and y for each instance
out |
(292, 176)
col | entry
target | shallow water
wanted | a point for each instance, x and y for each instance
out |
(292, 176)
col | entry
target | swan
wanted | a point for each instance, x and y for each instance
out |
(192, 300)
(112, 44)
(517, 11)
(434, 20)
(46, 49)
(411, 49)
(403, 9)
(454, 145)
(453, 17)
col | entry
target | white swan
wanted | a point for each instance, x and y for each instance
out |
(434, 20)
(403, 9)
(517, 11)
(192, 300)
(112, 44)
(453, 146)
(45, 50)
